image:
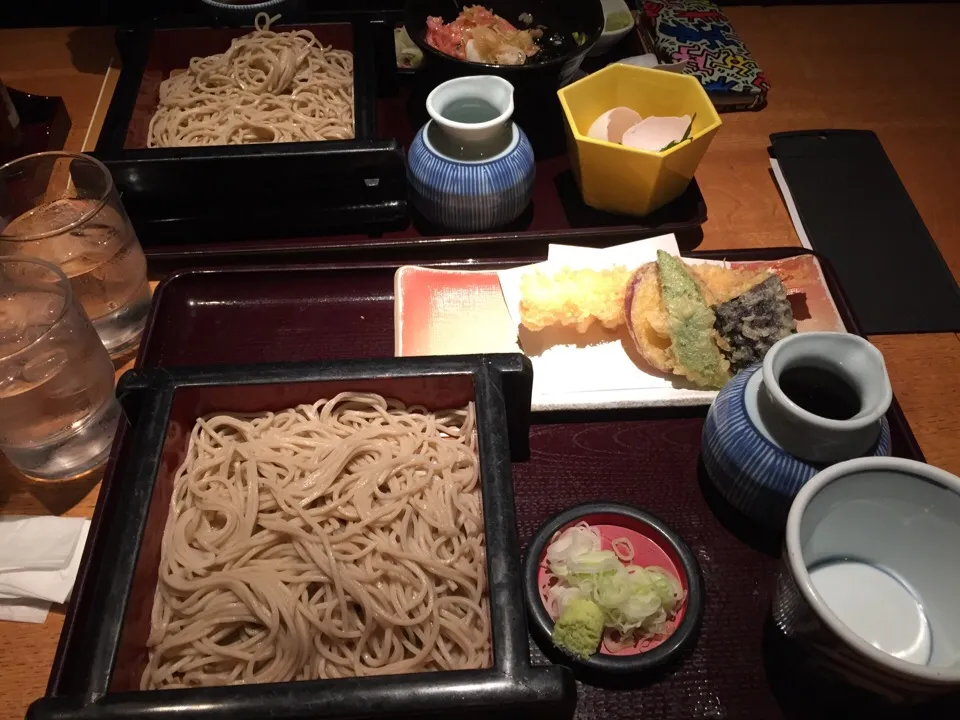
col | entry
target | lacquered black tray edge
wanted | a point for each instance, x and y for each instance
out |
(44, 121)
(346, 247)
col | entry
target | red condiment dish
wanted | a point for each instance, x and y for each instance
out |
(654, 544)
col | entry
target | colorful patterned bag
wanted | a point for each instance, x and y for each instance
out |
(697, 33)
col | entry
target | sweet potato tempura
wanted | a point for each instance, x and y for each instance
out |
(579, 297)
(576, 298)
(668, 308)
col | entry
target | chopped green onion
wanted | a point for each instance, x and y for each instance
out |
(633, 599)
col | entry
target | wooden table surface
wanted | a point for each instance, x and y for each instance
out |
(888, 68)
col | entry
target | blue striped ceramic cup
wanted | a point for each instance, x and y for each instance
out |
(470, 167)
(870, 576)
(760, 447)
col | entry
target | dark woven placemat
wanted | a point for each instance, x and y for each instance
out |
(740, 667)
(856, 211)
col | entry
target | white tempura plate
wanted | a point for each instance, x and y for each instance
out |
(441, 312)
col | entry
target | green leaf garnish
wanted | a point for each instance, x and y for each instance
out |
(686, 135)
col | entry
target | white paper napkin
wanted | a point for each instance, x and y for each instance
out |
(633, 254)
(25, 611)
(597, 368)
(788, 201)
(40, 557)
(37, 543)
(649, 60)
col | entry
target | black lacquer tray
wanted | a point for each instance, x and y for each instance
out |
(740, 668)
(43, 124)
(267, 205)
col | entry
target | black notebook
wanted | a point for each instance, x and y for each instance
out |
(858, 215)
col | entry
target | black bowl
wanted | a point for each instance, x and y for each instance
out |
(558, 16)
(244, 13)
(666, 541)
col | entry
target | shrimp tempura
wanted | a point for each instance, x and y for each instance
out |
(575, 298)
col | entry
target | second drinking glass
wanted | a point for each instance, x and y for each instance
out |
(64, 208)
(58, 412)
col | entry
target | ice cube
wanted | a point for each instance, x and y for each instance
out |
(25, 318)
(31, 308)
(11, 333)
(116, 272)
(8, 382)
(70, 386)
(87, 257)
(45, 366)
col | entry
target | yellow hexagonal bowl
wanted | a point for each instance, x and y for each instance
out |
(626, 180)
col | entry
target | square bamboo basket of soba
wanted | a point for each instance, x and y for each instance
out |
(328, 540)
(229, 133)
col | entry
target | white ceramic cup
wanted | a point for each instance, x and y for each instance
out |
(609, 38)
(494, 90)
(811, 437)
(870, 578)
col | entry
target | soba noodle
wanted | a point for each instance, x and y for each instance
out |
(267, 87)
(343, 538)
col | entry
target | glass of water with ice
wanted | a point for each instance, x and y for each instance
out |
(58, 412)
(64, 208)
